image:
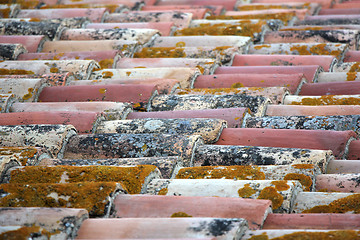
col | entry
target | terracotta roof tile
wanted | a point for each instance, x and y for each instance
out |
(31, 43)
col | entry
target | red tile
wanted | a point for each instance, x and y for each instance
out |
(227, 4)
(292, 81)
(271, 14)
(233, 116)
(354, 10)
(323, 3)
(147, 206)
(84, 122)
(310, 71)
(215, 9)
(197, 13)
(352, 56)
(94, 14)
(347, 5)
(165, 28)
(326, 62)
(334, 88)
(31, 43)
(298, 110)
(343, 166)
(337, 141)
(338, 182)
(354, 150)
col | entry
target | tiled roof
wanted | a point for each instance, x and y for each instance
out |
(179, 119)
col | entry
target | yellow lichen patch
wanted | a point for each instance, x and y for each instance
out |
(271, 194)
(180, 214)
(227, 172)
(342, 205)
(303, 166)
(106, 63)
(54, 70)
(258, 47)
(246, 191)
(22, 154)
(24, 233)
(281, 185)
(305, 181)
(102, 90)
(338, 235)
(202, 69)
(300, 49)
(351, 76)
(131, 177)
(328, 100)
(35, 20)
(284, 16)
(4, 71)
(159, 52)
(237, 85)
(355, 67)
(180, 44)
(163, 191)
(89, 195)
(252, 7)
(5, 12)
(128, 73)
(107, 74)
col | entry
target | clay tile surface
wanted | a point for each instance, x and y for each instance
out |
(149, 206)
(10, 51)
(308, 110)
(341, 166)
(31, 43)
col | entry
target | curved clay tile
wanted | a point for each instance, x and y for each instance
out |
(197, 13)
(52, 79)
(9, 10)
(322, 100)
(170, 228)
(326, 62)
(293, 82)
(22, 89)
(338, 182)
(256, 104)
(51, 219)
(354, 148)
(214, 9)
(100, 195)
(323, 3)
(6, 101)
(354, 10)
(167, 165)
(225, 155)
(209, 129)
(328, 77)
(233, 116)
(51, 137)
(310, 71)
(285, 191)
(341, 166)
(114, 145)
(165, 28)
(312, 7)
(337, 141)
(31, 43)
(227, 4)
(10, 51)
(330, 20)
(352, 56)
(332, 88)
(146, 206)
(301, 233)
(349, 67)
(303, 110)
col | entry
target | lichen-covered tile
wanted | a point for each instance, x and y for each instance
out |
(335, 123)
(335, 49)
(330, 20)
(165, 28)
(20, 89)
(256, 104)
(84, 122)
(130, 4)
(110, 110)
(98, 200)
(348, 67)
(162, 85)
(168, 166)
(94, 14)
(179, 19)
(106, 59)
(197, 13)
(185, 75)
(310, 71)
(327, 202)
(6, 101)
(170, 228)
(254, 211)
(293, 82)
(23, 232)
(312, 221)
(206, 66)
(19, 156)
(225, 155)
(312, 7)
(323, 3)
(344, 36)
(51, 137)
(142, 36)
(343, 166)
(60, 223)
(138, 95)
(208, 128)
(80, 68)
(125, 46)
(281, 193)
(338, 183)
(224, 55)
(327, 77)
(114, 145)
(314, 110)
(332, 88)
(275, 94)
(31, 43)
(304, 173)
(322, 100)
(9, 10)
(133, 178)
(336, 141)
(11, 51)
(301, 234)
(227, 4)
(233, 116)
(52, 79)
(325, 61)
(50, 30)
